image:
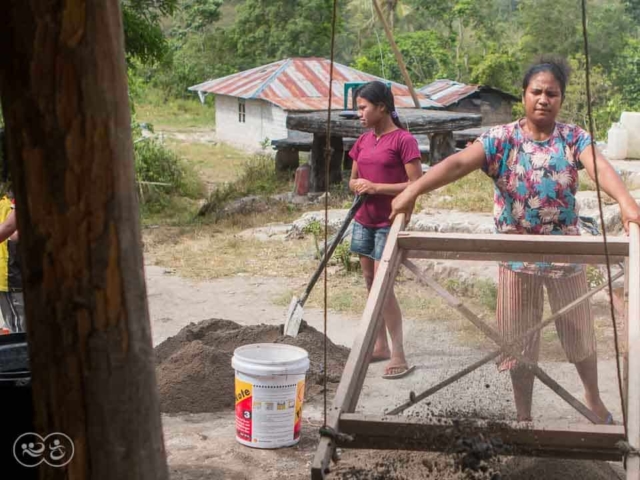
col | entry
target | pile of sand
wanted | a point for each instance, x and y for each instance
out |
(194, 367)
(402, 465)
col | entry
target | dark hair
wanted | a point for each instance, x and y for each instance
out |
(4, 162)
(378, 93)
(558, 67)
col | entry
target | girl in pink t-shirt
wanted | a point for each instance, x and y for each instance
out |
(385, 159)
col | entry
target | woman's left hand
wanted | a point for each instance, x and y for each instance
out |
(630, 213)
(363, 186)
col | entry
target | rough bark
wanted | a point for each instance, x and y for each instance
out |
(441, 145)
(64, 98)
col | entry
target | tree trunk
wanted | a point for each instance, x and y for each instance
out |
(63, 89)
(318, 173)
(441, 145)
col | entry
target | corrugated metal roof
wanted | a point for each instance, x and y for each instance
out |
(448, 92)
(301, 84)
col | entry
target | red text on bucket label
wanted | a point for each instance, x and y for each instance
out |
(244, 409)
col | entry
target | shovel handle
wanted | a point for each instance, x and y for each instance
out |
(357, 203)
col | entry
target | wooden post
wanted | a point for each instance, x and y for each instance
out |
(63, 89)
(346, 397)
(633, 322)
(441, 145)
(397, 53)
(317, 174)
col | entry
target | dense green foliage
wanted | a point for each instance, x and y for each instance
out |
(481, 41)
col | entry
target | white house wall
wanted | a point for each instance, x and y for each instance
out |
(262, 120)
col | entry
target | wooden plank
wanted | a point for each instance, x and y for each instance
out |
(507, 244)
(498, 340)
(355, 369)
(513, 257)
(418, 121)
(633, 396)
(530, 439)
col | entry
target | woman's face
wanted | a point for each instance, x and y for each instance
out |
(542, 99)
(370, 115)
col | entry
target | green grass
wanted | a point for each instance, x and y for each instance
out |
(473, 193)
(173, 113)
(215, 163)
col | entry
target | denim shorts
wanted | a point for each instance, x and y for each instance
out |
(369, 241)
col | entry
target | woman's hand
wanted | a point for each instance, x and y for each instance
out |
(362, 186)
(630, 212)
(403, 203)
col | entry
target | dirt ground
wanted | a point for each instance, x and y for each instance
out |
(202, 445)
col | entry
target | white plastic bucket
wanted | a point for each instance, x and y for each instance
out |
(631, 121)
(269, 394)
(617, 142)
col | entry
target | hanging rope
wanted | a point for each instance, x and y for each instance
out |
(328, 153)
(600, 210)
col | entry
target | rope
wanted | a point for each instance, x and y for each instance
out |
(327, 165)
(600, 210)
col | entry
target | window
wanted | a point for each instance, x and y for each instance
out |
(242, 114)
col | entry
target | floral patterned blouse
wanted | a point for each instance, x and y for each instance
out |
(535, 183)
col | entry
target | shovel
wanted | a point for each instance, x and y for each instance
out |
(296, 310)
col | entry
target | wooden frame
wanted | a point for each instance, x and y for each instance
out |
(405, 433)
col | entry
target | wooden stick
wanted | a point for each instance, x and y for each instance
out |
(633, 319)
(510, 345)
(397, 53)
(498, 340)
(512, 257)
(505, 244)
(519, 438)
(354, 372)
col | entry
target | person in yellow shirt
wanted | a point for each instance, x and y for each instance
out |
(11, 298)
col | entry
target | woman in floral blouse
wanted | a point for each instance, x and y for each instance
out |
(534, 164)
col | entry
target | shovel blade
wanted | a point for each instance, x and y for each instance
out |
(294, 318)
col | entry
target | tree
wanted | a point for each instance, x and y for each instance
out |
(426, 54)
(266, 31)
(143, 37)
(64, 98)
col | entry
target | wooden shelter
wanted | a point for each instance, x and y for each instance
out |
(347, 429)
(439, 125)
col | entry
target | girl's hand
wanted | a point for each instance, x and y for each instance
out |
(403, 203)
(630, 213)
(363, 186)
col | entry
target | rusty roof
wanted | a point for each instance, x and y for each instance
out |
(301, 84)
(448, 92)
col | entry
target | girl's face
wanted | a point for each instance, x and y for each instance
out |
(370, 115)
(542, 99)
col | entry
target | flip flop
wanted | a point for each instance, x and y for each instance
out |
(609, 420)
(403, 373)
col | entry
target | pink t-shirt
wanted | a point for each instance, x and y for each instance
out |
(382, 161)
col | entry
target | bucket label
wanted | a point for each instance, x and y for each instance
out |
(244, 397)
(297, 426)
